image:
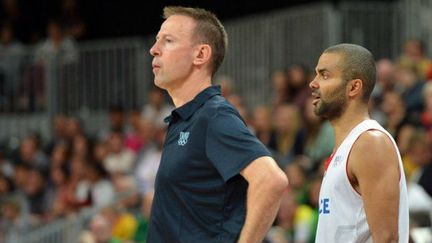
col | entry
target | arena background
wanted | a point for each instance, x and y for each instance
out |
(104, 69)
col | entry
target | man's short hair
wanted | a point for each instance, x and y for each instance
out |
(357, 63)
(209, 30)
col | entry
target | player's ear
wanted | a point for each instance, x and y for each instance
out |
(355, 87)
(202, 54)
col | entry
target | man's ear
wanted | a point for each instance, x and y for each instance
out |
(203, 54)
(355, 87)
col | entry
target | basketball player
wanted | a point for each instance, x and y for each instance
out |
(363, 196)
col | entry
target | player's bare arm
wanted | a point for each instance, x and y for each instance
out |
(266, 185)
(373, 170)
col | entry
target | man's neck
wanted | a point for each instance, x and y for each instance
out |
(347, 121)
(186, 91)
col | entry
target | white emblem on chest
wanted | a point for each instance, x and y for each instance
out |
(183, 139)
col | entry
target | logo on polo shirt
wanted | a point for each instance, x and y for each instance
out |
(183, 139)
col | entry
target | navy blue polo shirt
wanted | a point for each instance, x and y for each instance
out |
(199, 194)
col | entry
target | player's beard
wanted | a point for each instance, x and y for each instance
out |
(332, 105)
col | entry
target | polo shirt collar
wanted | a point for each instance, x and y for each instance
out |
(185, 111)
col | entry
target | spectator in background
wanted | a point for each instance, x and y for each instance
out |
(59, 133)
(395, 111)
(227, 86)
(426, 115)
(156, 110)
(116, 122)
(81, 147)
(119, 160)
(38, 198)
(148, 162)
(12, 220)
(294, 222)
(71, 20)
(74, 128)
(262, 125)
(75, 196)
(318, 136)
(100, 152)
(288, 136)
(31, 153)
(279, 82)
(11, 12)
(414, 58)
(11, 54)
(59, 178)
(57, 47)
(133, 139)
(96, 186)
(419, 154)
(60, 155)
(298, 85)
(410, 88)
(100, 231)
(297, 174)
(6, 167)
(385, 79)
(403, 141)
(124, 224)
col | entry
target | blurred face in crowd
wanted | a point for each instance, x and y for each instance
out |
(100, 151)
(59, 154)
(54, 32)
(297, 76)
(173, 52)
(296, 175)
(58, 176)
(80, 146)
(328, 87)
(262, 119)
(115, 142)
(392, 103)
(385, 72)
(101, 229)
(60, 124)
(35, 182)
(73, 127)
(156, 98)
(28, 149)
(279, 81)
(286, 119)
(413, 49)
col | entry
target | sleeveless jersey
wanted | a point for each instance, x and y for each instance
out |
(342, 217)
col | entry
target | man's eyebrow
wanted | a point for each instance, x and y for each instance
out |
(321, 70)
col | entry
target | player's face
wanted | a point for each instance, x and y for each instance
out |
(173, 51)
(328, 87)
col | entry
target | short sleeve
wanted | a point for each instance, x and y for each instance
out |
(230, 146)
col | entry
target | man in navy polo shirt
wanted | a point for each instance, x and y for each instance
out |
(216, 181)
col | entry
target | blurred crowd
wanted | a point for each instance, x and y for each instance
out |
(28, 46)
(114, 169)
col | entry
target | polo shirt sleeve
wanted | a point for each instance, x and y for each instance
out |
(230, 146)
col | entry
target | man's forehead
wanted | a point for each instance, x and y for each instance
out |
(329, 61)
(179, 23)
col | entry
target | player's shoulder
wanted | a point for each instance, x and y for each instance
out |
(373, 144)
(373, 139)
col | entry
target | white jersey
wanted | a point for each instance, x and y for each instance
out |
(342, 217)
